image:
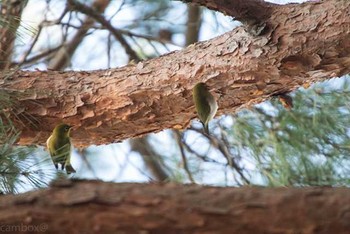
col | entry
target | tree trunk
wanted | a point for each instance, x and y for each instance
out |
(194, 21)
(10, 17)
(300, 44)
(97, 207)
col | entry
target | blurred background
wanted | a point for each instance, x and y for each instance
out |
(265, 145)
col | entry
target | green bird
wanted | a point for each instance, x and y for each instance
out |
(60, 147)
(205, 104)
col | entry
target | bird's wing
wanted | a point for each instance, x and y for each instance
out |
(213, 107)
(63, 153)
(203, 110)
(50, 149)
(68, 166)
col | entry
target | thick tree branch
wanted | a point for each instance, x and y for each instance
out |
(306, 43)
(97, 207)
(242, 10)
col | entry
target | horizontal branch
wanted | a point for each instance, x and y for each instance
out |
(111, 105)
(98, 207)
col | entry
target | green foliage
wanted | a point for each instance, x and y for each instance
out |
(20, 167)
(18, 27)
(306, 146)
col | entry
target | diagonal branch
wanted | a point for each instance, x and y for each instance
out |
(178, 137)
(222, 148)
(242, 10)
(111, 105)
(151, 158)
(64, 55)
(77, 6)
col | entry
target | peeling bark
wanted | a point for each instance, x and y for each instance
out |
(97, 207)
(305, 43)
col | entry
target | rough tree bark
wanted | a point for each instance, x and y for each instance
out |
(301, 44)
(97, 207)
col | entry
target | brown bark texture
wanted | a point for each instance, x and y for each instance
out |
(98, 207)
(246, 10)
(301, 44)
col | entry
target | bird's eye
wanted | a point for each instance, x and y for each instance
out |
(67, 128)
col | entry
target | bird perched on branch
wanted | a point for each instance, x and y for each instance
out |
(205, 104)
(60, 147)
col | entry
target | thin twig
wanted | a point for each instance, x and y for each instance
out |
(225, 152)
(183, 156)
(202, 157)
(75, 5)
(39, 56)
(82, 154)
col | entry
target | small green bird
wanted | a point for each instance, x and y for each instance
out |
(205, 104)
(60, 147)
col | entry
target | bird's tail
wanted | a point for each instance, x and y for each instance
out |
(69, 169)
(206, 128)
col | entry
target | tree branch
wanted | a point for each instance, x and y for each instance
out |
(99, 18)
(111, 105)
(257, 10)
(171, 208)
(151, 158)
(194, 21)
(179, 142)
(63, 57)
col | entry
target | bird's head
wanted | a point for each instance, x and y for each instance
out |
(200, 90)
(62, 130)
(201, 86)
